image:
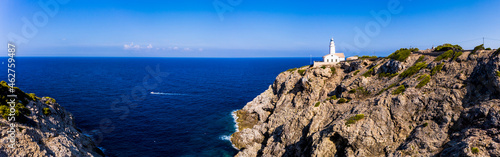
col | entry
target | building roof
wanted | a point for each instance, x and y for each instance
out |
(340, 55)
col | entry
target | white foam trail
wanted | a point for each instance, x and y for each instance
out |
(160, 93)
(235, 117)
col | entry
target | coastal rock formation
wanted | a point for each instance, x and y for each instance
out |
(42, 128)
(420, 107)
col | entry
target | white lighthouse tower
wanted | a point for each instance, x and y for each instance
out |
(332, 46)
(333, 57)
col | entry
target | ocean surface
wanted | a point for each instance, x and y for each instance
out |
(187, 114)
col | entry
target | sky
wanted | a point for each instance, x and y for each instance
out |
(242, 28)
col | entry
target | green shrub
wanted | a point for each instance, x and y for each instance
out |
(498, 73)
(477, 48)
(334, 70)
(302, 72)
(474, 150)
(46, 111)
(497, 52)
(488, 48)
(368, 57)
(446, 47)
(424, 80)
(323, 67)
(412, 70)
(387, 75)
(362, 91)
(354, 119)
(446, 55)
(49, 100)
(356, 72)
(385, 89)
(352, 91)
(317, 104)
(436, 69)
(421, 58)
(332, 97)
(370, 72)
(456, 55)
(400, 54)
(399, 90)
(341, 100)
(425, 124)
(291, 70)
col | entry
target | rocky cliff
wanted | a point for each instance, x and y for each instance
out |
(429, 104)
(42, 128)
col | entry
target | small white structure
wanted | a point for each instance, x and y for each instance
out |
(333, 57)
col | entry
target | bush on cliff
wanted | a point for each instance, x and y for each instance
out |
(302, 72)
(400, 54)
(477, 48)
(498, 73)
(341, 100)
(399, 90)
(424, 80)
(354, 119)
(46, 111)
(387, 75)
(412, 70)
(334, 71)
(370, 72)
(436, 69)
(497, 52)
(446, 47)
(421, 58)
(355, 73)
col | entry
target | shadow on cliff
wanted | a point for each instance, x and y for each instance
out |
(480, 88)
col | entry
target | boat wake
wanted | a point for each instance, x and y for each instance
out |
(160, 93)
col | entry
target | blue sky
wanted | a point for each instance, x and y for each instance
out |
(195, 28)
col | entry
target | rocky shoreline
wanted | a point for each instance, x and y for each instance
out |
(432, 103)
(42, 128)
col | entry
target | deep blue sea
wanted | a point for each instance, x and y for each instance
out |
(189, 113)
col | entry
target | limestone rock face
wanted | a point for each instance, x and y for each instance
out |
(457, 113)
(48, 130)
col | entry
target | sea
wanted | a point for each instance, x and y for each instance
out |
(152, 106)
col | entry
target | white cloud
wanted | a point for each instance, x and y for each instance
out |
(187, 49)
(132, 46)
(176, 48)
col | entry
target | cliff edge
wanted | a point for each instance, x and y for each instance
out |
(42, 128)
(425, 103)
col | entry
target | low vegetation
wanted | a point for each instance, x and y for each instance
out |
(421, 58)
(399, 90)
(20, 108)
(413, 70)
(46, 111)
(446, 47)
(425, 124)
(402, 54)
(355, 73)
(436, 69)
(362, 91)
(424, 79)
(334, 71)
(477, 48)
(498, 73)
(387, 75)
(448, 54)
(341, 100)
(368, 57)
(291, 70)
(302, 72)
(317, 104)
(497, 52)
(354, 119)
(474, 150)
(352, 91)
(370, 72)
(49, 100)
(323, 67)
(385, 89)
(332, 98)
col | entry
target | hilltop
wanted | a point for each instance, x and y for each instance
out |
(444, 102)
